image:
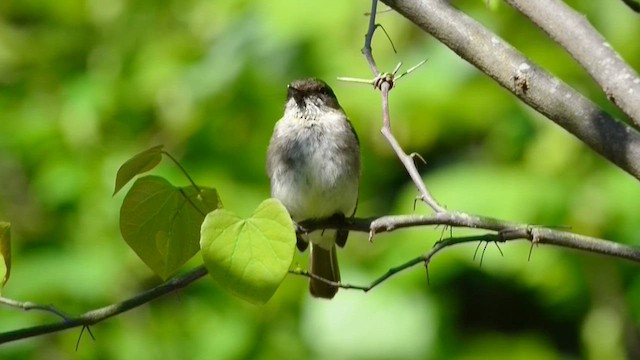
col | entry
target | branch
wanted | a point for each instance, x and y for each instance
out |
(424, 259)
(385, 82)
(574, 33)
(406, 160)
(95, 316)
(599, 131)
(505, 231)
(614, 140)
(534, 234)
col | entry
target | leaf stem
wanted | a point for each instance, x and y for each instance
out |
(186, 174)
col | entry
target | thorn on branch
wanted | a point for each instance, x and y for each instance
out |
(415, 202)
(396, 69)
(82, 332)
(388, 37)
(444, 228)
(379, 12)
(371, 233)
(530, 252)
(535, 240)
(410, 70)
(426, 269)
(475, 253)
(499, 249)
(486, 244)
(415, 155)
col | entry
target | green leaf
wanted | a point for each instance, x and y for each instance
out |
(5, 253)
(161, 222)
(138, 164)
(249, 257)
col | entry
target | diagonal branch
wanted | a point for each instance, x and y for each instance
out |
(534, 234)
(406, 160)
(573, 31)
(95, 316)
(614, 140)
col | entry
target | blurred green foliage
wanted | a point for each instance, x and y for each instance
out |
(86, 84)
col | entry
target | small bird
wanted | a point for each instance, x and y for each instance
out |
(313, 163)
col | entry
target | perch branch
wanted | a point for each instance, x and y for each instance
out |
(504, 231)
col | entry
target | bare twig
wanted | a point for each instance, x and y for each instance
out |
(27, 306)
(406, 160)
(616, 141)
(385, 82)
(422, 259)
(95, 316)
(367, 51)
(573, 31)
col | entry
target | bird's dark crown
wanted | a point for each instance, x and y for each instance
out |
(312, 87)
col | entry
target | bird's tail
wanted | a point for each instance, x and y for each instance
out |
(323, 263)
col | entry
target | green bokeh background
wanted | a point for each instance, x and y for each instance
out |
(85, 84)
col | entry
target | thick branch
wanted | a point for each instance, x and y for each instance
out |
(616, 141)
(574, 32)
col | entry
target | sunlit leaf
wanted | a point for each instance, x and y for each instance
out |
(5, 253)
(138, 164)
(161, 222)
(249, 257)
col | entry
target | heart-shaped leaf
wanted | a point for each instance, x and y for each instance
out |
(5, 253)
(138, 164)
(161, 222)
(249, 257)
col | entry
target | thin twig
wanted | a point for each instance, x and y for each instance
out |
(98, 315)
(367, 50)
(385, 82)
(406, 160)
(425, 259)
(28, 305)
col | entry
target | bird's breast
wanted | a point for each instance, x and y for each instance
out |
(319, 177)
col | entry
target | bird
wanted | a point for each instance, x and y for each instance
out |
(313, 164)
